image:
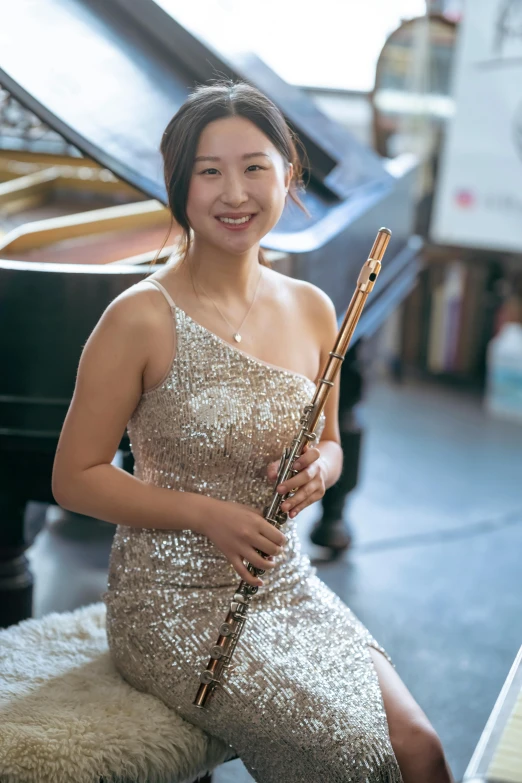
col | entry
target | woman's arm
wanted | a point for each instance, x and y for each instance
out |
(108, 389)
(332, 457)
(321, 464)
(324, 316)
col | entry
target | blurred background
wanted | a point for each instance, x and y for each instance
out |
(411, 116)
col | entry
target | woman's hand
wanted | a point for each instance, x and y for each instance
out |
(239, 531)
(310, 482)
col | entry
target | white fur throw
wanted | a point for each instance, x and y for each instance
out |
(67, 715)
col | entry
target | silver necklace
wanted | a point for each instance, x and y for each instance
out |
(236, 335)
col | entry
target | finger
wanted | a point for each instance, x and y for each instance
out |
(272, 470)
(308, 502)
(306, 474)
(292, 484)
(301, 496)
(273, 534)
(311, 454)
(259, 561)
(256, 558)
(244, 574)
(269, 547)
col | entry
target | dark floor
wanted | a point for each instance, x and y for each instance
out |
(435, 572)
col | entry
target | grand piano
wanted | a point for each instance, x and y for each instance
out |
(107, 75)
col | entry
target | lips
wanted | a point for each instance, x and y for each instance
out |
(235, 216)
(235, 222)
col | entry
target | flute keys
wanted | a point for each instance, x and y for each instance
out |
(226, 629)
(238, 611)
(207, 677)
(217, 652)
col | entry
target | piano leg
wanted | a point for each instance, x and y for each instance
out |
(333, 529)
(16, 579)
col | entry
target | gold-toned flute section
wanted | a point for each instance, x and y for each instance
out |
(230, 630)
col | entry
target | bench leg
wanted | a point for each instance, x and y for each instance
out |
(16, 579)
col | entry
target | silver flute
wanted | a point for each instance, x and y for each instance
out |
(230, 630)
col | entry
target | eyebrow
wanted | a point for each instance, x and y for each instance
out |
(215, 159)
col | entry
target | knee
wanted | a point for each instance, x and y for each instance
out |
(418, 747)
(430, 750)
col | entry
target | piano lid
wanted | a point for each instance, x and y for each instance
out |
(109, 74)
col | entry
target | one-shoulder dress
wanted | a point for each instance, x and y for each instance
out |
(303, 702)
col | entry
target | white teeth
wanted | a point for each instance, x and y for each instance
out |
(234, 221)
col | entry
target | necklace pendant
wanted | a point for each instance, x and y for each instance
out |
(237, 337)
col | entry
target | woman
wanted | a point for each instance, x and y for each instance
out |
(312, 696)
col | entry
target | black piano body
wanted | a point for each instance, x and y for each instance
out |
(115, 72)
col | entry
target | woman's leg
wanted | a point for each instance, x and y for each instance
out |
(415, 743)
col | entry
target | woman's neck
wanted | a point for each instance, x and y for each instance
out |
(228, 279)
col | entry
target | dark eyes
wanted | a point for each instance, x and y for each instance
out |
(214, 171)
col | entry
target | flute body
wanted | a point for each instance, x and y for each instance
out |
(230, 630)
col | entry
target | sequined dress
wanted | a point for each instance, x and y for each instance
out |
(303, 703)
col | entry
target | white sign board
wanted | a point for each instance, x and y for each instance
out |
(478, 200)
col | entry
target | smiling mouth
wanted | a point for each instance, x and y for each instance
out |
(236, 221)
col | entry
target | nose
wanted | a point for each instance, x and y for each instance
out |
(234, 193)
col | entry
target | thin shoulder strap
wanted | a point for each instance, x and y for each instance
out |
(163, 291)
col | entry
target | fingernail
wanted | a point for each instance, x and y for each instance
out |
(297, 465)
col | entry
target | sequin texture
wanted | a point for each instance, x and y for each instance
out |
(302, 702)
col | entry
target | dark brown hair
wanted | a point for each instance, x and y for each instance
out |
(209, 102)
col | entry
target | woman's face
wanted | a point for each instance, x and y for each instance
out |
(238, 175)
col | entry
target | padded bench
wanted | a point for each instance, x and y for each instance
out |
(66, 714)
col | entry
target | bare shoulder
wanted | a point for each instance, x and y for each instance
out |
(316, 302)
(137, 313)
(138, 305)
(317, 299)
(121, 339)
(320, 318)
